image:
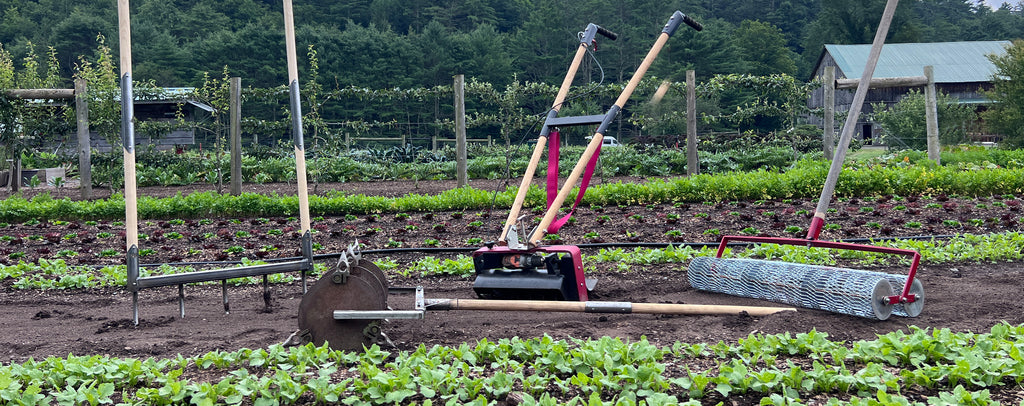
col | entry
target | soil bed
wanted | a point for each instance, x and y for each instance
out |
(38, 324)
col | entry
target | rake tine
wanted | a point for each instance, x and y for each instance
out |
(181, 300)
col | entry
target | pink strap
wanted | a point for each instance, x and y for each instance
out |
(587, 174)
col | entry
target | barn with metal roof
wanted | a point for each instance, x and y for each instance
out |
(962, 70)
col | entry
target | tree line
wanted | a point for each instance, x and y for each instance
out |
(419, 43)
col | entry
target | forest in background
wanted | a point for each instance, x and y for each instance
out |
(381, 44)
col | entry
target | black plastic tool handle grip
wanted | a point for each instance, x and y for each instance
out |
(609, 34)
(692, 23)
(678, 18)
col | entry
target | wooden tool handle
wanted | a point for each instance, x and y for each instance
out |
(538, 150)
(600, 307)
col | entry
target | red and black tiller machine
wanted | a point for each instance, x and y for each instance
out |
(855, 292)
(516, 267)
(348, 306)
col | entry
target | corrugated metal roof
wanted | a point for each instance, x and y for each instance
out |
(954, 62)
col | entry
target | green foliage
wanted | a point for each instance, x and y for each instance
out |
(957, 368)
(905, 123)
(891, 174)
(1006, 116)
(25, 124)
(103, 87)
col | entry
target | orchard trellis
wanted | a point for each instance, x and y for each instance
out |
(519, 105)
(136, 282)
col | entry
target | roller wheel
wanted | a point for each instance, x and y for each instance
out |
(882, 290)
(361, 289)
(912, 309)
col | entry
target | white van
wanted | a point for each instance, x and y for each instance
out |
(608, 142)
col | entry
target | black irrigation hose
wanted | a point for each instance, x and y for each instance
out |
(587, 245)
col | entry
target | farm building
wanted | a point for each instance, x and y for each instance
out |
(962, 70)
(163, 108)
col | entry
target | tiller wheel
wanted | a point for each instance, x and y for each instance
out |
(355, 284)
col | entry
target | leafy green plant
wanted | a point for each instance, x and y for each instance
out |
(66, 254)
(750, 231)
(110, 252)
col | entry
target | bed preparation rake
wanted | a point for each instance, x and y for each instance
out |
(848, 291)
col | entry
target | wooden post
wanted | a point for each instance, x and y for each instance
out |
(84, 147)
(828, 137)
(931, 115)
(128, 128)
(692, 162)
(882, 83)
(41, 93)
(460, 131)
(235, 109)
(15, 179)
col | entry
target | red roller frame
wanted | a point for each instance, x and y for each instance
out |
(915, 258)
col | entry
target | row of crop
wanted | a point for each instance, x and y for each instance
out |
(484, 163)
(954, 367)
(56, 274)
(804, 180)
(160, 168)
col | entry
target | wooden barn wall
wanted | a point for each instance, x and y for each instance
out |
(889, 96)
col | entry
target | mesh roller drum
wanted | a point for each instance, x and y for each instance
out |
(839, 290)
(897, 282)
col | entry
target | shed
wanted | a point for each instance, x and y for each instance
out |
(962, 70)
(160, 108)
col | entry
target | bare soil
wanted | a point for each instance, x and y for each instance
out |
(37, 324)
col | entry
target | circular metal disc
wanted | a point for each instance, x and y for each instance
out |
(361, 291)
(883, 289)
(914, 309)
(373, 271)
